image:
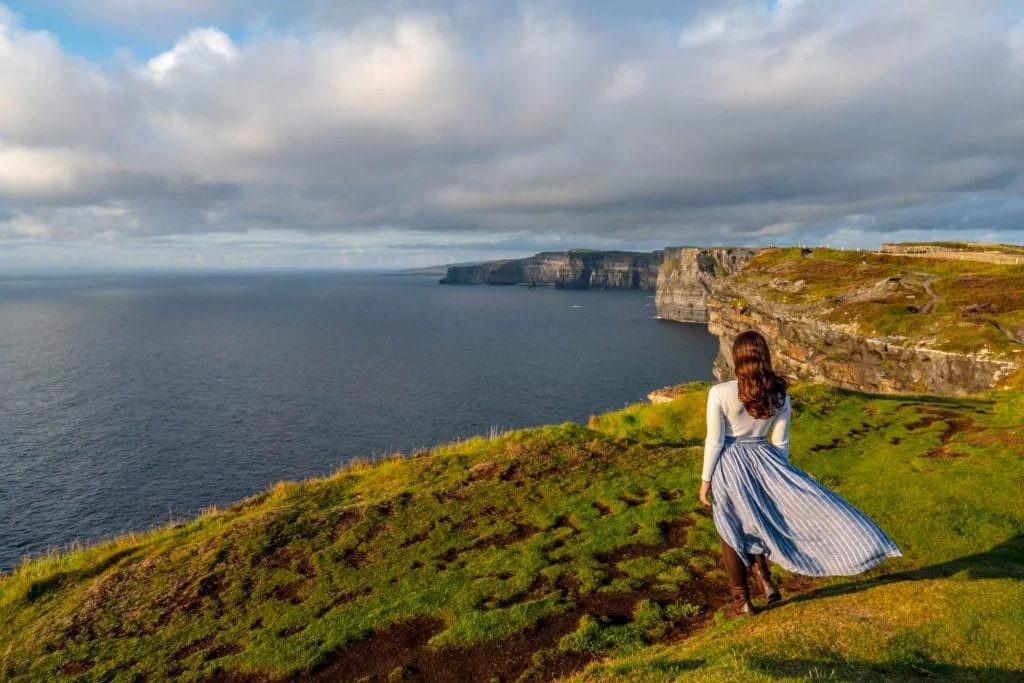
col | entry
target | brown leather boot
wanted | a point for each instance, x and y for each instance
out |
(740, 605)
(764, 577)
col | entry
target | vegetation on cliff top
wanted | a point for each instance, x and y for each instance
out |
(951, 305)
(1011, 249)
(558, 551)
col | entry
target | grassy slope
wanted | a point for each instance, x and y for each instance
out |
(950, 305)
(539, 551)
(1011, 249)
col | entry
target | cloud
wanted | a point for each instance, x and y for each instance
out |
(744, 122)
(201, 48)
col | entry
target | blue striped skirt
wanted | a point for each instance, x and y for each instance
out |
(765, 505)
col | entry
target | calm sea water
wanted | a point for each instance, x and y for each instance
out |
(128, 400)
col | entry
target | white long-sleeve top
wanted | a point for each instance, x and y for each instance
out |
(728, 417)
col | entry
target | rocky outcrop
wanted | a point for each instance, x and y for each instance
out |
(688, 275)
(566, 270)
(810, 350)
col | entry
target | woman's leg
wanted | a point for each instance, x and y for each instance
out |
(737, 571)
(764, 576)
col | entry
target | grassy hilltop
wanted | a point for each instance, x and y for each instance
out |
(560, 551)
(962, 306)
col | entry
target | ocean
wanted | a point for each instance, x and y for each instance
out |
(127, 401)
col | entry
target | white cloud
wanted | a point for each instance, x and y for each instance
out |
(750, 123)
(202, 48)
(37, 172)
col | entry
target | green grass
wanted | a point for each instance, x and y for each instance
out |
(949, 305)
(545, 551)
(1011, 249)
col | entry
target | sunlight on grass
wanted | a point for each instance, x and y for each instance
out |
(556, 547)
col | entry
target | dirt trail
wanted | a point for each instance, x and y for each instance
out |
(926, 282)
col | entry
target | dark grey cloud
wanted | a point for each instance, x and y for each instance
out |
(540, 125)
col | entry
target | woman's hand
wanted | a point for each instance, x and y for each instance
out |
(705, 489)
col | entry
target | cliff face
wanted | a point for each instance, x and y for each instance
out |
(567, 270)
(810, 350)
(687, 277)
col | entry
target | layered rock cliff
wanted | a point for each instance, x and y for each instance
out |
(568, 270)
(894, 322)
(688, 275)
(825, 317)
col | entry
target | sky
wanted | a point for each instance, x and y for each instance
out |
(389, 133)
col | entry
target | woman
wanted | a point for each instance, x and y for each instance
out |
(764, 507)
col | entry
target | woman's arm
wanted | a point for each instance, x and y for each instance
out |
(715, 436)
(780, 428)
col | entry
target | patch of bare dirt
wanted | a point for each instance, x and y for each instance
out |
(356, 559)
(520, 533)
(290, 593)
(674, 534)
(193, 647)
(346, 521)
(831, 446)
(222, 651)
(484, 470)
(864, 429)
(76, 668)
(955, 424)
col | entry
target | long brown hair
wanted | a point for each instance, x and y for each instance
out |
(762, 390)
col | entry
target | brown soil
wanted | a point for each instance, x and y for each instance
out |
(291, 593)
(631, 501)
(222, 651)
(864, 430)
(76, 668)
(675, 536)
(345, 522)
(356, 558)
(193, 647)
(955, 424)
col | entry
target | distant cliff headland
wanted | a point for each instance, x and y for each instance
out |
(577, 269)
(942, 318)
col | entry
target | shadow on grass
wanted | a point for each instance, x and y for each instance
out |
(54, 582)
(1004, 561)
(842, 669)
